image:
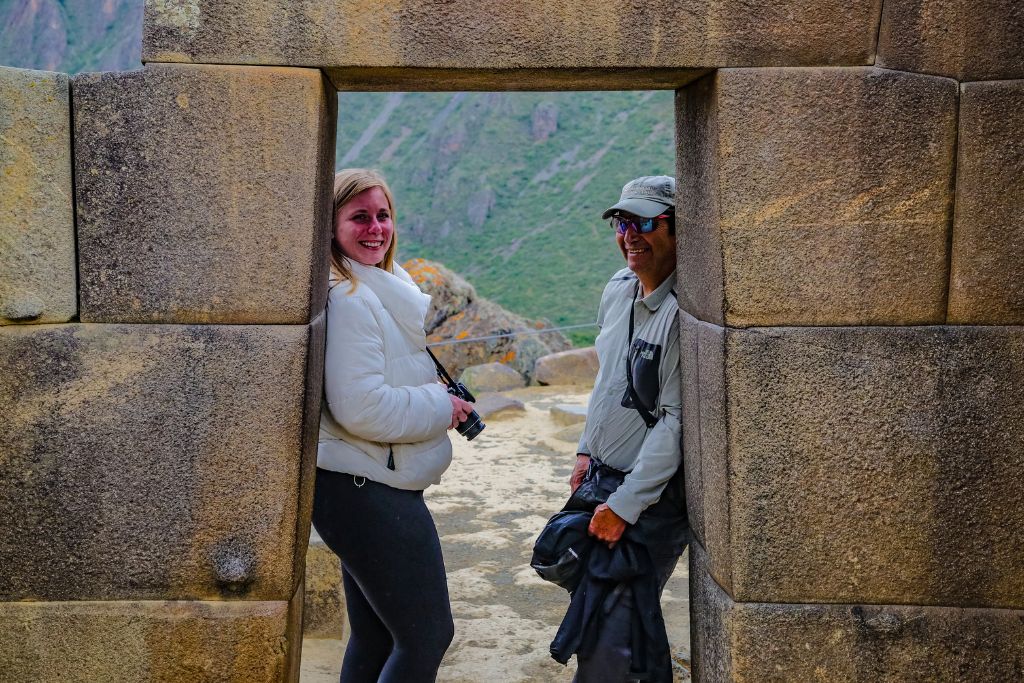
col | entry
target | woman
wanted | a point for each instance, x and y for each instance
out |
(382, 441)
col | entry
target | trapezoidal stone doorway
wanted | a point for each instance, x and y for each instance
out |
(851, 250)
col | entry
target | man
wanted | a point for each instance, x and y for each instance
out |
(633, 418)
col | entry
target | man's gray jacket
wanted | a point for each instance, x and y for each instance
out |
(615, 433)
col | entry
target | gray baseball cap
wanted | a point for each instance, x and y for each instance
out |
(646, 197)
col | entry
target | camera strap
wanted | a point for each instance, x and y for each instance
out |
(649, 419)
(441, 372)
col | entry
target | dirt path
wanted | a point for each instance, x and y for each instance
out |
(490, 507)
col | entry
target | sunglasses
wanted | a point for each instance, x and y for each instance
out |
(640, 225)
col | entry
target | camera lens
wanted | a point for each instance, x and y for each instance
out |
(471, 426)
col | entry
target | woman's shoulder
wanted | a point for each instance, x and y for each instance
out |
(353, 302)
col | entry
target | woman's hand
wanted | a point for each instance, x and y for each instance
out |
(460, 410)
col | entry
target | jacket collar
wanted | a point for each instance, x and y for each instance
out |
(399, 295)
(654, 300)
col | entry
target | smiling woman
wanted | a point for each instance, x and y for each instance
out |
(382, 442)
(364, 228)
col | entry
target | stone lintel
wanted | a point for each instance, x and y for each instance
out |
(462, 36)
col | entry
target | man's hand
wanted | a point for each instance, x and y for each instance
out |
(578, 472)
(606, 525)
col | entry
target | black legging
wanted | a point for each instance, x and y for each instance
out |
(395, 586)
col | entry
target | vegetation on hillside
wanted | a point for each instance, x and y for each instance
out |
(504, 188)
(508, 188)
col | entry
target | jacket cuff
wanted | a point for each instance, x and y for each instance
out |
(626, 505)
(444, 403)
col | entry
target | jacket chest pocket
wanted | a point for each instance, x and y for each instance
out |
(645, 362)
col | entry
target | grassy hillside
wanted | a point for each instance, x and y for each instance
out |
(508, 188)
(71, 35)
(504, 188)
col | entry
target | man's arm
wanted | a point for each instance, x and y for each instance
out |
(660, 454)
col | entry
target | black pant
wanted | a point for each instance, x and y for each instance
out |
(395, 586)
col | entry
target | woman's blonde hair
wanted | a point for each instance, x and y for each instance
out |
(349, 182)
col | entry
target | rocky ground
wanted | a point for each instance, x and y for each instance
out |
(494, 500)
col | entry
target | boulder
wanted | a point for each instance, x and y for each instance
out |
(466, 329)
(494, 406)
(568, 415)
(323, 612)
(491, 377)
(570, 434)
(574, 367)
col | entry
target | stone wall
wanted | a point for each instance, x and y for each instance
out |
(160, 439)
(853, 354)
(851, 240)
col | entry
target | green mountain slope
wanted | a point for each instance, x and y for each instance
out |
(508, 188)
(504, 188)
(71, 35)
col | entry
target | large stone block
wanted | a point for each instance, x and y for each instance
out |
(531, 44)
(705, 462)
(37, 223)
(861, 465)
(970, 40)
(146, 642)
(816, 196)
(987, 273)
(784, 643)
(156, 461)
(203, 193)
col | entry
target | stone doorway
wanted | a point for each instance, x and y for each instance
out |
(854, 434)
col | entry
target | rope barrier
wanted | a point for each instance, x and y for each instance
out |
(514, 333)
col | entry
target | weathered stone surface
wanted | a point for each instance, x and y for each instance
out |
(458, 316)
(529, 44)
(156, 461)
(37, 224)
(969, 40)
(863, 465)
(987, 271)
(203, 193)
(497, 406)
(782, 643)
(816, 196)
(576, 367)
(705, 462)
(565, 414)
(323, 615)
(241, 641)
(491, 377)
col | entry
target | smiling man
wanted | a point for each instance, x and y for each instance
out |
(632, 430)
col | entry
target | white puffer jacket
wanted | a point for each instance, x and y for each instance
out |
(381, 389)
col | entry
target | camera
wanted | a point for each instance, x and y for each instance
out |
(472, 425)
